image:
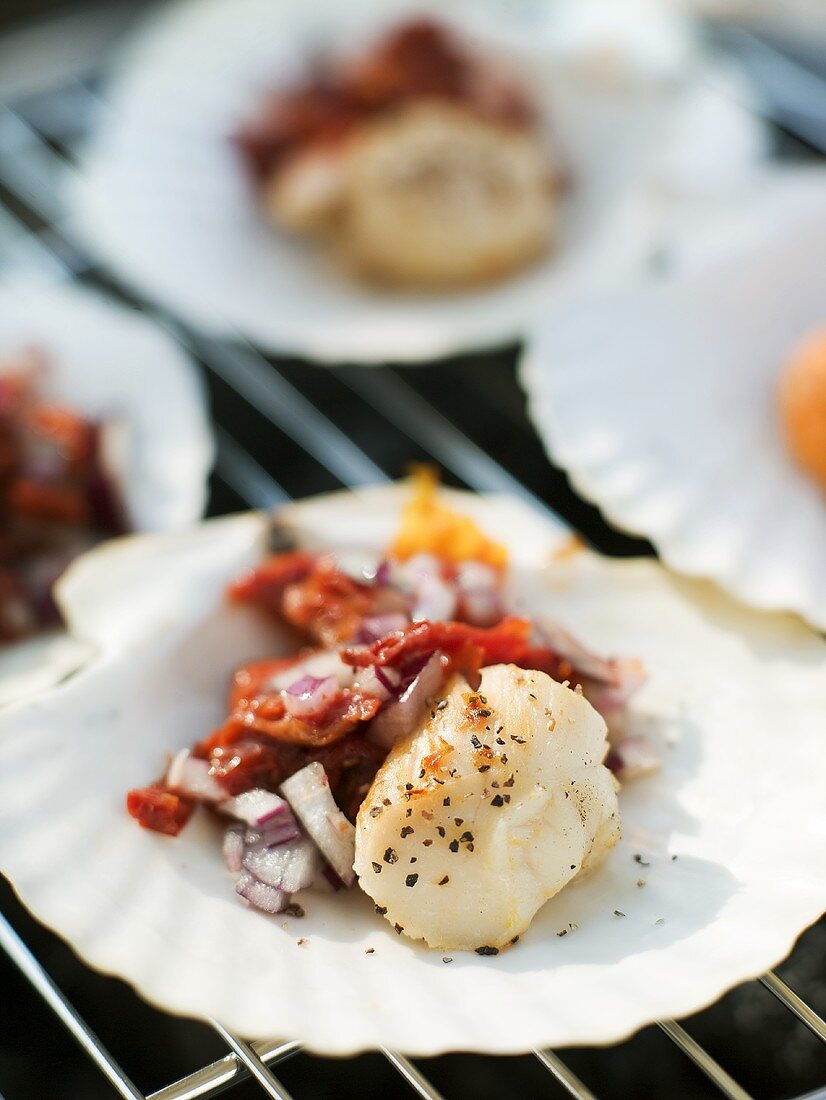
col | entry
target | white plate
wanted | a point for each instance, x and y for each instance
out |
(660, 400)
(738, 699)
(108, 361)
(162, 197)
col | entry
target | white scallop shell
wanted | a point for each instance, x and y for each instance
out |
(737, 697)
(659, 400)
(163, 199)
(108, 361)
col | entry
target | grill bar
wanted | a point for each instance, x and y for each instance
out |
(787, 996)
(414, 1078)
(703, 1060)
(66, 1012)
(248, 480)
(250, 375)
(569, 1081)
(214, 1078)
(254, 1064)
(401, 406)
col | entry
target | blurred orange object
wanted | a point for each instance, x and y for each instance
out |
(802, 404)
(429, 527)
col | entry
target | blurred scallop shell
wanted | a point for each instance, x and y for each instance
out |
(162, 197)
(735, 698)
(109, 362)
(660, 400)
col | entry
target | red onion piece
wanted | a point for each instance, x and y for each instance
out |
(618, 673)
(289, 867)
(309, 795)
(233, 847)
(404, 714)
(305, 686)
(255, 807)
(482, 608)
(383, 683)
(634, 757)
(435, 600)
(388, 678)
(283, 830)
(320, 666)
(480, 595)
(329, 879)
(309, 695)
(472, 576)
(375, 627)
(267, 898)
(190, 776)
(384, 573)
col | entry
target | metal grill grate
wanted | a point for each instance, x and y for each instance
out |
(320, 429)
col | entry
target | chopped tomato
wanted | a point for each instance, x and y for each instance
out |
(159, 809)
(73, 436)
(55, 497)
(240, 759)
(351, 765)
(267, 714)
(30, 498)
(328, 605)
(251, 679)
(264, 585)
(468, 647)
(315, 596)
(419, 59)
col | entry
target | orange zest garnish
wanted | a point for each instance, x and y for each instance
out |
(429, 527)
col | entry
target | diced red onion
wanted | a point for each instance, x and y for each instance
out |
(404, 714)
(289, 867)
(233, 847)
(263, 896)
(435, 600)
(309, 695)
(475, 575)
(282, 830)
(633, 757)
(388, 678)
(320, 666)
(308, 792)
(255, 807)
(375, 681)
(190, 776)
(384, 573)
(375, 627)
(305, 686)
(479, 587)
(586, 663)
(329, 876)
(420, 565)
(481, 607)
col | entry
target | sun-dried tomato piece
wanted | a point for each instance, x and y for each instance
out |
(32, 499)
(159, 809)
(264, 585)
(315, 596)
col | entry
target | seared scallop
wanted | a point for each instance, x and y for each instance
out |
(485, 811)
(438, 198)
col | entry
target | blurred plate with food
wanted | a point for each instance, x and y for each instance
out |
(385, 182)
(103, 430)
(692, 408)
(382, 731)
